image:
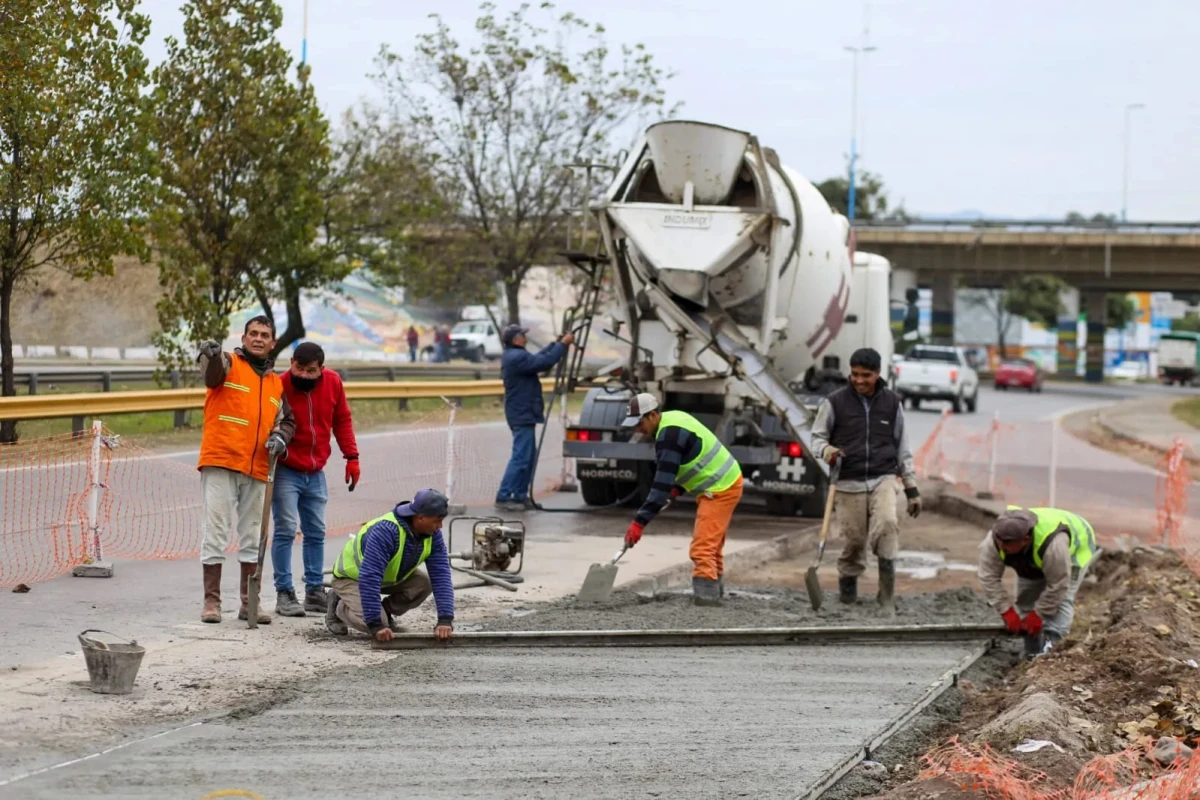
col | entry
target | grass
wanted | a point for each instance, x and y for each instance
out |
(1188, 411)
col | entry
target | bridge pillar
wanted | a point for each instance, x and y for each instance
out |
(1096, 308)
(943, 308)
(1068, 334)
(903, 281)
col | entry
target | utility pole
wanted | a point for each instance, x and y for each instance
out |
(304, 40)
(1131, 107)
(862, 49)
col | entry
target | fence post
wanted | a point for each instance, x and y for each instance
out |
(33, 382)
(1053, 462)
(451, 435)
(993, 435)
(180, 415)
(94, 565)
(106, 382)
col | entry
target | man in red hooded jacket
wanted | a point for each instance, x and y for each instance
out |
(319, 403)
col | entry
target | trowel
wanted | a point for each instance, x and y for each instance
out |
(812, 584)
(598, 584)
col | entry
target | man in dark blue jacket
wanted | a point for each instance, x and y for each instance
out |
(382, 559)
(524, 408)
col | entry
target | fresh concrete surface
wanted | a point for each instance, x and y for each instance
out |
(624, 723)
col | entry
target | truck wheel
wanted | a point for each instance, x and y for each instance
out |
(782, 505)
(597, 492)
(478, 355)
(915, 402)
(973, 401)
(957, 404)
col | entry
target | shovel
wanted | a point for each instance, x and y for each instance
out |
(598, 584)
(254, 584)
(812, 584)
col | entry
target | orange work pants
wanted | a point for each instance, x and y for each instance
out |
(713, 513)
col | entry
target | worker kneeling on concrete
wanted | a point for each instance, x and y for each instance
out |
(689, 458)
(1050, 550)
(382, 559)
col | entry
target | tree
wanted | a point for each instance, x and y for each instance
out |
(1188, 322)
(74, 177)
(1095, 221)
(1032, 297)
(504, 118)
(1121, 311)
(870, 200)
(242, 154)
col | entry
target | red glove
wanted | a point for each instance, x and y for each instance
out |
(1012, 620)
(634, 534)
(1032, 624)
(353, 473)
(676, 491)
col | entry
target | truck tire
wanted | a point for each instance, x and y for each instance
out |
(600, 410)
(597, 492)
(973, 401)
(782, 505)
(478, 355)
(957, 404)
(915, 402)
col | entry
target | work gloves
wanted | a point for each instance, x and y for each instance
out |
(676, 491)
(634, 534)
(1012, 621)
(276, 446)
(1032, 624)
(914, 501)
(353, 472)
(210, 349)
(831, 454)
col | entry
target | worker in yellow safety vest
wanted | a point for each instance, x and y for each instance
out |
(1050, 550)
(689, 458)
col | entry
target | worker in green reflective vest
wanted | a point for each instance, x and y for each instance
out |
(1050, 550)
(689, 458)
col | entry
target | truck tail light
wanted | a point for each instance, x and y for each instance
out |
(572, 435)
(790, 449)
(953, 375)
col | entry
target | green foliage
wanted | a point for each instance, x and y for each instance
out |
(1121, 311)
(73, 176)
(1032, 297)
(870, 199)
(503, 119)
(243, 154)
(1188, 322)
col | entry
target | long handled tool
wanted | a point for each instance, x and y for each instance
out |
(598, 584)
(812, 583)
(254, 584)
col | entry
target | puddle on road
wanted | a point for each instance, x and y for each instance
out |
(923, 566)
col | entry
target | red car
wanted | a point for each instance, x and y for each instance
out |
(1019, 372)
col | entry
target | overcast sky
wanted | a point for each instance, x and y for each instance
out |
(1010, 107)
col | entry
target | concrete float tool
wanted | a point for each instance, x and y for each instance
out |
(812, 584)
(254, 584)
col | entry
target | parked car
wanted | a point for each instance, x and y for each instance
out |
(1020, 373)
(930, 372)
(475, 340)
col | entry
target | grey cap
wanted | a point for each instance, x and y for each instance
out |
(1013, 526)
(511, 332)
(641, 405)
(427, 502)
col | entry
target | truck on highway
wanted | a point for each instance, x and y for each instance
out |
(736, 297)
(1178, 357)
(932, 372)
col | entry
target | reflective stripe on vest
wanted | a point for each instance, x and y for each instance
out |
(714, 469)
(350, 559)
(1082, 537)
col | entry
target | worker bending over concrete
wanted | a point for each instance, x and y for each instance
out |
(689, 458)
(862, 424)
(1050, 550)
(382, 559)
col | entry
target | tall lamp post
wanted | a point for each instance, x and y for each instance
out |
(1129, 109)
(304, 40)
(852, 195)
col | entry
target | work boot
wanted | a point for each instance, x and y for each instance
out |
(706, 592)
(721, 585)
(212, 593)
(286, 604)
(887, 585)
(315, 600)
(1033, 646)
(333, 623)
(243, 613)
(847, 589)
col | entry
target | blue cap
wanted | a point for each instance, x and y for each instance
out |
(427, 502)
(511, 332)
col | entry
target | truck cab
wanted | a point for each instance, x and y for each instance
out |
(475, 340)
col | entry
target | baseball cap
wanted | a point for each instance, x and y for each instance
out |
(641, 405)
(427, 502)
(1013, 526)
(511, 332)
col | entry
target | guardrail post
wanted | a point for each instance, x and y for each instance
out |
(77, 427)
(391, 374)
(180, 415)
(33, 383)
(344, 374)
(106, 381)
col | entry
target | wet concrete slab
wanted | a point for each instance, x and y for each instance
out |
(761, 722)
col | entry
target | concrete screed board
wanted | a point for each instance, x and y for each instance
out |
(717, 722)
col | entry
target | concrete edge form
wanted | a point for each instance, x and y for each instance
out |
(936, 689)
(731, 637)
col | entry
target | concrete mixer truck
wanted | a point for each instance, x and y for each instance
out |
(734, 293)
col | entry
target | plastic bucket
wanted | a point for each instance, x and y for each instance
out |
(112, 666)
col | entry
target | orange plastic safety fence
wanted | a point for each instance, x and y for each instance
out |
(148, 505)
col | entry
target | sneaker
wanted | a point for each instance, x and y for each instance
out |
(510, 505)
(315, 600)
(332, 622)
(286, 604)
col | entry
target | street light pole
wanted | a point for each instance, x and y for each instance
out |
(852, 193)
(1131, 107)
(304, 40)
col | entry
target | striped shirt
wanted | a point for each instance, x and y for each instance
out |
(380, 544)
(673, 447)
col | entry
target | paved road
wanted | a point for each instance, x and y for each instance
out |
(722, 722)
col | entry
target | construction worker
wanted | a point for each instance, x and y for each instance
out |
(317, 397)
(524, 410)
(382, 559)
(862, 424)
(1050, 550)
(689, 458)
(243, 402)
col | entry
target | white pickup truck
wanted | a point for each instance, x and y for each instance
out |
(930, 372)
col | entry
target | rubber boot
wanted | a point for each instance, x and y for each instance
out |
(333, 622)
(212, 593)
(887, 585)
(1033, 646)
(706, 592)
(847, 589)
(286, 604)
(721, 586)
(243, 613)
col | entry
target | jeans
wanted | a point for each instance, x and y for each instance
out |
(515, 484)
(299, 498)
(412, 353)
(439, 353)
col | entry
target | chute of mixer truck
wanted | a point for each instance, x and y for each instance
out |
(733, 288)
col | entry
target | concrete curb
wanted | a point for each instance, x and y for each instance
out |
(1114, 427)
(945, 499)
(777, 549)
